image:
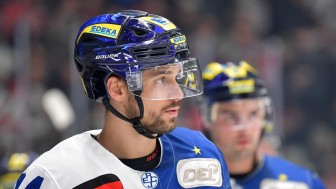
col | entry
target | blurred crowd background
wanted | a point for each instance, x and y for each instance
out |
(291, 42)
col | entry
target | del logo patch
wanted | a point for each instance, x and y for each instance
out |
(197, 172)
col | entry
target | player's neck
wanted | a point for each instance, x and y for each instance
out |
(243, 166)
(123, 141)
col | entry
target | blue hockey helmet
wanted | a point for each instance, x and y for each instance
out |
(12, 166)
(136, 46)
(125, 44)
(229, 81)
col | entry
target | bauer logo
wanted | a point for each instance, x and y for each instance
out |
(107, 30)
(197, 172)
(115, 57)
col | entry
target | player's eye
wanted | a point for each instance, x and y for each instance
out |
(227, 116)
(254, 115)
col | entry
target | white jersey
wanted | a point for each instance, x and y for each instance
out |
(188, 160)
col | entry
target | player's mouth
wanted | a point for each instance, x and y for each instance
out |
(243, 142)
(173, 112)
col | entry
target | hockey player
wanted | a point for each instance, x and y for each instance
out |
(238, 113)
(138, 65)
(12, 166)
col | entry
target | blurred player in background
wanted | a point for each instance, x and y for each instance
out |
(137, 64)
(238, 115)
(12, 166)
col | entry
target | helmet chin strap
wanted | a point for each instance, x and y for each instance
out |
(136, 120)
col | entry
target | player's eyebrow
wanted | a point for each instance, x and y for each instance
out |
(162, 72)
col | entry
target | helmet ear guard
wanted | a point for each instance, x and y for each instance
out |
(269, 116)
(134, 80)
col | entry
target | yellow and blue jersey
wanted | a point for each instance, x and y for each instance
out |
(277, 173)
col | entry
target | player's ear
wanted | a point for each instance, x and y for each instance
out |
(116, 88)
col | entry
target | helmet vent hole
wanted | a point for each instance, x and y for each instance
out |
(182, 54)
(140, 50)
(157, 54)
(158, 48)
(86, 38)
(139, 33)
(151, 52)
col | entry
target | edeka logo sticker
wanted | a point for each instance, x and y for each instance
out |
(196, 172)
(162, 22)
(104, 30)
(150, 180)
(107, 30)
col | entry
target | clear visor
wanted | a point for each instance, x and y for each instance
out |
(170, 81)
(239, 115)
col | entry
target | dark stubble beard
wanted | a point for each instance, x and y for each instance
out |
(158, 125)
(154, 124)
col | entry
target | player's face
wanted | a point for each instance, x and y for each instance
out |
(236, 127)
(160, 115)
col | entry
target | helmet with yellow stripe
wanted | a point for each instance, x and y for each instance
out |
(12, 166)
(230, 81)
